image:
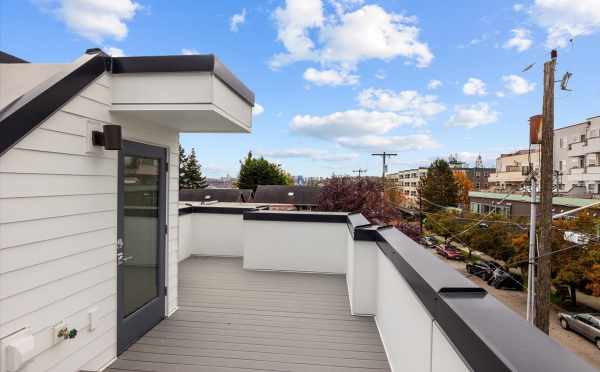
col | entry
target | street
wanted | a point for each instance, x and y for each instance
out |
(517, 301)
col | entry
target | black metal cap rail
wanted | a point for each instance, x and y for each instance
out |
(488, 335)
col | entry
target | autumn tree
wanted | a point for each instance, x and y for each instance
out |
(356, 194)
(573, 264)
(259, 171)
(438, 188)
(463, 185)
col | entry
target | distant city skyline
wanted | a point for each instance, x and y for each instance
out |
(327, 95)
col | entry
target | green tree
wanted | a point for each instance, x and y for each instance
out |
(438, 187)
(182, 162)
(259, 171)
(190, 173)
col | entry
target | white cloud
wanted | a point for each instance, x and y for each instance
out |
(500, 94)
(189, 52)
(408, 102)
(391, 143)
(351, 123)
(518, 7)
(566, 19)
(517, 85)
(96, 20)
(330, 77)
(434, 84)
(347, 37)
(474, 87)
(380, 74)
(372, 33)
(309, 153)
(237, 20)
(473, 116)
(257, 109)
(293, 22)
(521, 40)
(114, 52)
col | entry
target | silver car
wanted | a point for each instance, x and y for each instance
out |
(587, 325)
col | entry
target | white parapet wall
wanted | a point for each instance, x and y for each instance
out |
(296, 243)
(212, 230)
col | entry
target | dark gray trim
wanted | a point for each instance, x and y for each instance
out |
(218, 210)
(297, 216)
(182, 63)
(133, 326)
(9, 58)
(488, 335)
(31, 109)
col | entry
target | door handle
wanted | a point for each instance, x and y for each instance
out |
(125, 259)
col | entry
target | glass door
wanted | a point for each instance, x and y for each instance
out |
(141, 240)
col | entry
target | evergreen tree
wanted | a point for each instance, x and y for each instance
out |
(259, 171)
(183, 184)
(438, 187)
(193, 172)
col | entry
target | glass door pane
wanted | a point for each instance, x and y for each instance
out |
(140, 269)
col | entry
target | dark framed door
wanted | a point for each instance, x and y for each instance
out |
(141, 229)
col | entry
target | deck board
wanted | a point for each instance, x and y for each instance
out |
(230, 319)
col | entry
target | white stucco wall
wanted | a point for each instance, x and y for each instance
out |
(361, 277)
(217, 234)
(295, 246)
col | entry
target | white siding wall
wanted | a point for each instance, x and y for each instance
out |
(58, 223)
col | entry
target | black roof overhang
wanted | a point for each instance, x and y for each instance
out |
(31, 109)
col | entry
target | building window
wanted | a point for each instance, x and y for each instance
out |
(591, 188)
(562, 145)
(560, 164)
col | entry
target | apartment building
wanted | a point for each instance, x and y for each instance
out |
(512, 169)
(407, 182)
(577, 156)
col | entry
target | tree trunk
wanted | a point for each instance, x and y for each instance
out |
(573, 290)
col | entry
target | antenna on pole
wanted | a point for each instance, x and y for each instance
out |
(359, 171)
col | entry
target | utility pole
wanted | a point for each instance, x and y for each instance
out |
(384, 155)
(531, 265)
(543, 279)
(359, 171)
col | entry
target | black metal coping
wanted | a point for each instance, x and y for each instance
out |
(218, 210)
(9, 58)
(488, 335)
(28, 111)
(296, 216)
(183, 63)
(31, 109)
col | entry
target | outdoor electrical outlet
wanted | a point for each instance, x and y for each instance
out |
(58, 327)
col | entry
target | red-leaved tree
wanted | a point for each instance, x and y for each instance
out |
(357, 194)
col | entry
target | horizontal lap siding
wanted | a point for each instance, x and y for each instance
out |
(58, 228)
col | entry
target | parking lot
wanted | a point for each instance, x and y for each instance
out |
(517, 301)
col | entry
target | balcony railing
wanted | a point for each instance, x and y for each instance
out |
(429, 317)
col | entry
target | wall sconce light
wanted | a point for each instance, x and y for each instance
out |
(110, 137)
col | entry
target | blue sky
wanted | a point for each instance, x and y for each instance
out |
(339, 79)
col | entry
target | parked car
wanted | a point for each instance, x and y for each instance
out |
(449, 252)
(501, 279)
(483, 269)
(428, 241)
(586, 324)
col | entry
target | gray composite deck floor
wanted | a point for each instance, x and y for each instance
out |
(230, 319)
